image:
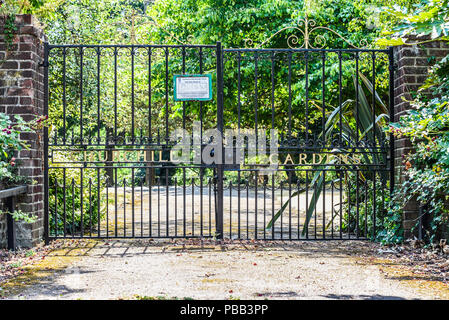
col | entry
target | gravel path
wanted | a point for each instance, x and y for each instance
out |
(235, 270)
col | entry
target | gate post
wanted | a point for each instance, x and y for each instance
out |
(413, 63)
(220, 125)
(21, 94)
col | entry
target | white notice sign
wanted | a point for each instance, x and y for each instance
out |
(193, 87)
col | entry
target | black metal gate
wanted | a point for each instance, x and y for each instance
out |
(319, 165)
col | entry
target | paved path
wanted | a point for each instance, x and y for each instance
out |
(249, 270)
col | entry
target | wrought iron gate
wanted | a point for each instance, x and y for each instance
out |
(108, 172)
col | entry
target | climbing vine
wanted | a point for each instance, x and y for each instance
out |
(10, 28)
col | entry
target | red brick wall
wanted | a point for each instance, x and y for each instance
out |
(21, 93)
(413, 62)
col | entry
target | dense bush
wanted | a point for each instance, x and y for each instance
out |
(427, 123)
(10, 145)
(427, 169)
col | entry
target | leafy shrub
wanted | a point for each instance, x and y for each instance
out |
(10, 143)
(388, 224)
(427, 169)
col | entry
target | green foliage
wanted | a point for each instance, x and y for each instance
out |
(424, 18)
(19, 215)
(426, 124)
(10, 144)
(427, 170)
(387, 228)
(9, 27)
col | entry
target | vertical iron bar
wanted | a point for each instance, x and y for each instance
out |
(115, 202)
(210, 207)
(324, 204)
(73, 207)
(141, 207)
(315, 194)
(90, 207)
(341, 204)
(166, 95)
(307, 220)
(220, 125)
(64, 202)
(81, 95)
(289, 205)
(176, 207)
(264, 209)
(323, 81)
(374, 97)
(332, 209)
(150, 136)
(238, 203)
(247, 210)
(98, 94)
(289, 94)
(272, 206)
(184, 216)
(132, 105)
(374, 205)
(46, 191)
(81, 203)
(272, 89)
(56, 208)
(340, 98)
(115, 96)
(255, 203)
(357, 203)
(201, 141)
(392, 113)
(230, 210)
(98, 202)
(167, 210)
(64, 98)
(124, 207)
(299, 211)
(107, 206)
(282, 201)
(150, 200)
(239, 58)
(193, 206)
(132, 202)
(349, 207)
(307, 94)
(256, 94)
(159, 207)
(366, 209)
(357, 98)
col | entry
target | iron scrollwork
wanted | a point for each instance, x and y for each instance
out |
(305, 27)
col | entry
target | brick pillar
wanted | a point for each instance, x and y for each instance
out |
(21, 93)
(413, 62)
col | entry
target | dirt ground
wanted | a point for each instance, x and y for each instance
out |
(196, 269)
